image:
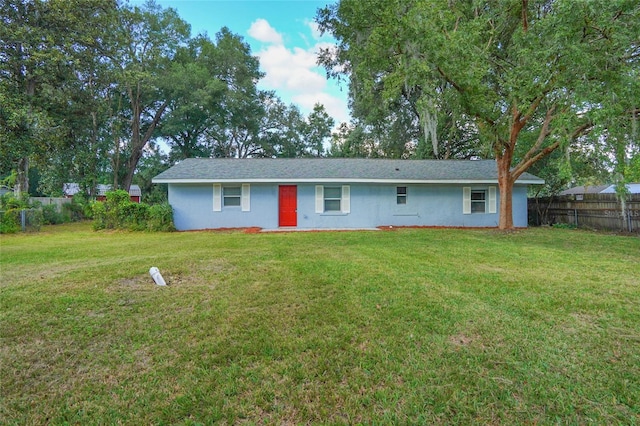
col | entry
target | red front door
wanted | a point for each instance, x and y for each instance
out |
(288, 201)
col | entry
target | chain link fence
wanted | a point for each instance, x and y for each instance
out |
(25, 220)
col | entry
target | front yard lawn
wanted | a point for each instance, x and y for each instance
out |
(427, 326)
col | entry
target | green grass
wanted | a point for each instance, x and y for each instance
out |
(409, 326)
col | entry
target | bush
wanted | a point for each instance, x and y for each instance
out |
(161, 218)
(75, 210)
(119, 212)
(10, 222)
(99, 214)
(34, 219)
(9, 201)
(135, 216)
(51, 215)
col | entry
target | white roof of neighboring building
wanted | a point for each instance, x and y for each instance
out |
(634, 188)
(70, 188)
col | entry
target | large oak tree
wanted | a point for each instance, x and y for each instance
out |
(528, 76)
(48, 51)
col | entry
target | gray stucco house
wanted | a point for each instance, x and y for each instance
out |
(338, 193)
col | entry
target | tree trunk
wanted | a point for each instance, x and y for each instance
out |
(22, 180)
(130, 167)
(505, 183)
(138, 141)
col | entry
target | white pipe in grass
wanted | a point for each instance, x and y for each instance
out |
(157, 276)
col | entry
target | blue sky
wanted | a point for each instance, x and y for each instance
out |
(283, 35)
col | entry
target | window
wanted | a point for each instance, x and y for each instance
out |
(478, 201)
(231, 196)
(401, 195)
(333, 199)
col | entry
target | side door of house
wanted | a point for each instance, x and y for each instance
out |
(288, 205)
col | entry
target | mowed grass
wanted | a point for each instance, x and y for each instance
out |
(420, 326)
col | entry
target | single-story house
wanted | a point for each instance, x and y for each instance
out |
(72, 188)
(338, 193)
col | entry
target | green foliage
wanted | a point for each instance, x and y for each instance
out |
(119, 212)
(632, 172)
(10, 201)
(52, 216)
(158, 194)
(523, 79)
(51, 51)
(76, 209)
(99, 215)
(135, 215)
(160, 218)
(37, 214)
(10, 180)
(10, 221)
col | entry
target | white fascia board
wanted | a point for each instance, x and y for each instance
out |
(342, 180)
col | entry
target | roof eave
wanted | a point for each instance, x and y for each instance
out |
(347, 180)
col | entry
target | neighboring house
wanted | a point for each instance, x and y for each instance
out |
(633, 188)
(70, 189)
(338, 193)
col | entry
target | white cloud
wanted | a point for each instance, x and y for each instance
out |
(262, 31)
(335, 107)
(293, 73)
(314, 28)
(290, 69)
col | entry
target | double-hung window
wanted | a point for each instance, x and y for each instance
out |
(479, 200)
(401, 195)
(231, 196)
(333, 199)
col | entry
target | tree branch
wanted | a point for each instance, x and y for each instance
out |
(154, 122)
(525, 22)
(532, 152)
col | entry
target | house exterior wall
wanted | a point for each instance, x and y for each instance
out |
(371, 205)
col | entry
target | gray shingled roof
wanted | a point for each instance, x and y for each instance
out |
(595, 189)
(195, 170)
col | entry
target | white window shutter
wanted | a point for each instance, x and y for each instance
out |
(217, 197)
(246, 197)
(492, 199)
(466, 200)
(346, 199)
(319, 198)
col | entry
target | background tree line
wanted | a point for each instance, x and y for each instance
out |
(91, 88)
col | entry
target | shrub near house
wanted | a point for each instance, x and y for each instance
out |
(119, 212)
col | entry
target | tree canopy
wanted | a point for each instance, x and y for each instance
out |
(90, 89)
(526, 77)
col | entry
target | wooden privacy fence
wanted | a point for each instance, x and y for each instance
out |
(596, 211)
